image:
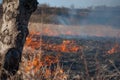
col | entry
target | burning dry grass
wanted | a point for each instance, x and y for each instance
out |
(38, 66)
(115, 49)
(41, 69)
(34, 41)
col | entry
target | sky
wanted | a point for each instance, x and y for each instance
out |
(79, 3)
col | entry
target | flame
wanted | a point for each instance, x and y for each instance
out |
(115, 49)
(69, 46)
(36, 64)
(48, 60)
(33, 41)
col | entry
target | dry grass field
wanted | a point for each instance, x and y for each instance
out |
(72, 44)
(51, 57)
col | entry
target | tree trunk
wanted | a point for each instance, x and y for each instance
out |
(13, 33)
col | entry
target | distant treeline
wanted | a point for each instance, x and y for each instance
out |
(46, 9)
(47, 14)
(99, 15)
(102, 15)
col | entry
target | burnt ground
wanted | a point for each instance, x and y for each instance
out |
(92, 60)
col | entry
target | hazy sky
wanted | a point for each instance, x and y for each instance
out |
(80, 3)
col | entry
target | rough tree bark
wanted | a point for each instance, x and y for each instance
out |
(13, 33)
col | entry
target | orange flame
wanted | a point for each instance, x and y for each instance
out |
(69, 46)
(33, 41)
(115, 49)
(36, 64)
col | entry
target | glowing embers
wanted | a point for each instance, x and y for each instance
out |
(115, 49)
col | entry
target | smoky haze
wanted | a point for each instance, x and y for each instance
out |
(96, 21)
(92, 21)
(107, 16)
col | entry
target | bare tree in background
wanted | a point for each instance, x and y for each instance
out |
(13, 33)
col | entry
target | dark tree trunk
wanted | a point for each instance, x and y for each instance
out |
(13, 33)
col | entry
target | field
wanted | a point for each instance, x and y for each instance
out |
(66, 44)
(57, 52)
(54, 57)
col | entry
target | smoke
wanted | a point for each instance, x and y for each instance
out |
(109, 16)
(75, 31)
(63, 20)
(105, 16)
(99, 21)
